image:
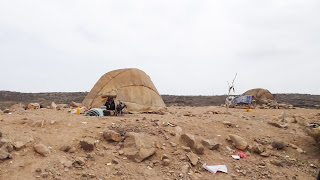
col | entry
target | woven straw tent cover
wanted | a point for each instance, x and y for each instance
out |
(131, 86)
(260, 94)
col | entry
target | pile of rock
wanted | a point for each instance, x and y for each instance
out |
(271, 104)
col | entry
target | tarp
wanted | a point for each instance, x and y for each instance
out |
(242, 99)
(131, 86)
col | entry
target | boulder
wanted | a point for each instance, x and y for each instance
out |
(188, 140)
(138, 147)
(87, 144)
(41, 149)
(110, 135)
(240, 143)
(34, 106)
(210, 143)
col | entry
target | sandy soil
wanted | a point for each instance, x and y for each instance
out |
(57, 128)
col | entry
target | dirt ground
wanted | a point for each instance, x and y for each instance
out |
(57, 128)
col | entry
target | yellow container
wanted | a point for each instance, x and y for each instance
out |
(78, 110)
(248, 110)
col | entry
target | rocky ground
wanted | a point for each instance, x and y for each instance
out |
(8, 98)
(54, 144)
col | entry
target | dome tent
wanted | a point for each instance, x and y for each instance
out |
(131, 86)
(260, 95)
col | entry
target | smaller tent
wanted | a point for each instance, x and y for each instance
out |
(260, 95)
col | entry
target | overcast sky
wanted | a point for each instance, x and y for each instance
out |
(186, 47)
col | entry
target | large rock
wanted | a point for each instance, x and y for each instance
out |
(138, 147)
(34, 106)
(41, 149)
(188, 140)
(240, 143)
(110, 135)
(87, 144)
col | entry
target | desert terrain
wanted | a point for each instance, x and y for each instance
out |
(174, 144)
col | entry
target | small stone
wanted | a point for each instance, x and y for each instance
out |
(258, 149)
(178, 129)
(276, 162)
(193, 158)
(173, 144)
(227, 123)
(210, 143)
(0, 134)
(199, 149)
(115, 161)
(299, 150)
(172, 133)
(38, 170)
(65, 148)
(164, 156)
(41, 149)
(45, 175)
(87, 144)
(240, 143)
(278, 144)
(120, 152)
(18, 145)
(68, 164)
(6, 111)
(72, 150)
(277, 124)
(185, 169)
(79, 162)
(265, 154)
(166, 162)
(188, 140)
(112, 136)
(186, 149)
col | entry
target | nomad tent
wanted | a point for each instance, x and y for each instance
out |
(130, 86)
